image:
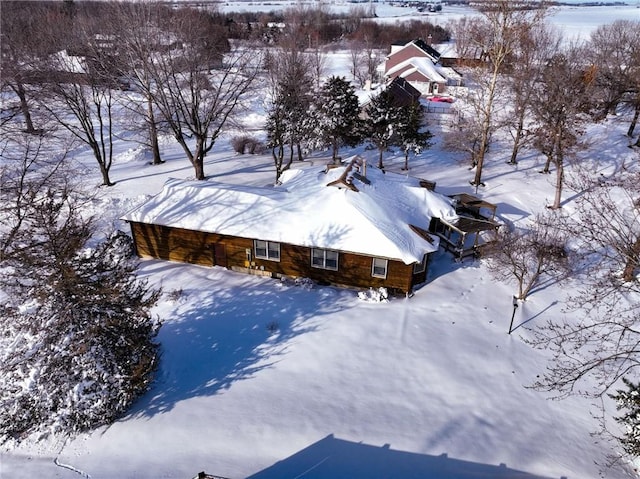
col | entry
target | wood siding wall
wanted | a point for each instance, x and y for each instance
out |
(209, 249)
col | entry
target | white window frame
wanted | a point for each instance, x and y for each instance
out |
(269, 248)
(384, 262)
(420, 267)
(323, 257)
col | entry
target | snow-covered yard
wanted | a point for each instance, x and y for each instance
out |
(269, 380)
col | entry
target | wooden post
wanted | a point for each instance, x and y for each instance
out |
(515, 306)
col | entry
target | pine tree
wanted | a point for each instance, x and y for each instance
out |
(382, 118)
(629, 400)
(337, 111)
(411, 136)
(77, 344)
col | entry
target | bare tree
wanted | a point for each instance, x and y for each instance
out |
(21, 49)
(463, 31)
(365, 58)
(28, 168)
(318, 63)
(79, 91)
(197, 87)
(496, 36)
(561, 103)
(614, 50)
(603, 345)
(139, 29)
(466, 131)
(534, 47)
(531, 255)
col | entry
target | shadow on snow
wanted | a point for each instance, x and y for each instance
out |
(230, 334)
(340, 459)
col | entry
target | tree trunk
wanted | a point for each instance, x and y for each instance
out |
(380, 165)
(153, 133)
(197, 160)
(199, 167)
(634, 121)
(24, 106)
(406, 160)
(559, 178)
(300, 156)
(291, 151)
(516, 141)
(486, 127)
(106, 181)
(277, 159)
(549, 155)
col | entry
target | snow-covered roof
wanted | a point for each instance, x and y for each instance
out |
(419, 43)
(422, 65)
(303, 210)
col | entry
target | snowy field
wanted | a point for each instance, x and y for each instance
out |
(576, 22)
(430, 387)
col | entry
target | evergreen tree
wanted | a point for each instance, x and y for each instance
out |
(411, 136)
(77, 344)
(381, 121)
(337, 121)
(629, 400)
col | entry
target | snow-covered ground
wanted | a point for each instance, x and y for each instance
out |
(576, 22)
(267, 380)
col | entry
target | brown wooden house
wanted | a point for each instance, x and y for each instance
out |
(350, 225)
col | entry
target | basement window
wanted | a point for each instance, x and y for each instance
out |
(267, 250)
(324, 259)
(379, 268)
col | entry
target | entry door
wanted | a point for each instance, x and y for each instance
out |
(219, 255)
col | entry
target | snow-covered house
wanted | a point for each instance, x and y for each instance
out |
(351, 225)
(419, 64)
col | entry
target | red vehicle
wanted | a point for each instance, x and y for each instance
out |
(442, 99)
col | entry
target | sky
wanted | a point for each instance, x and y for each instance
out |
(265, 379)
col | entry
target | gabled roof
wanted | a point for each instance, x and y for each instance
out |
(402, 92)
(421, 65)
(421, 44)
(428, 49)
(376, 220)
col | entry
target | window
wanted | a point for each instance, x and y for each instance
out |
(267, 250)
(324, 258)
(420, 267)
(379, 268)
